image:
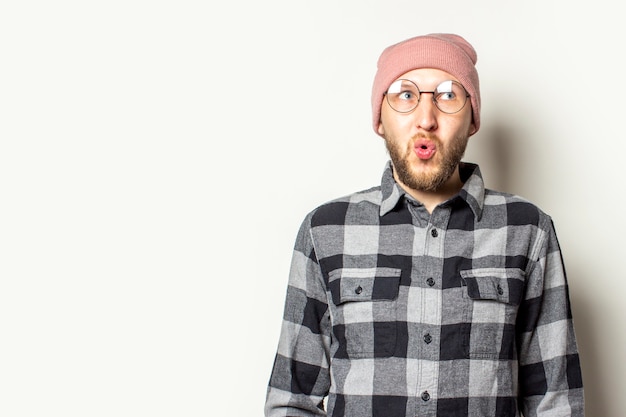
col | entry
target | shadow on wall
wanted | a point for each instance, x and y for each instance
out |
(502, 152)
(492, 151)
(503, 155)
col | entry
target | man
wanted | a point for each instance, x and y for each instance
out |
(428, 295)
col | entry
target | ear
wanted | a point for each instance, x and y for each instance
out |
(381, 129)
(472, 129)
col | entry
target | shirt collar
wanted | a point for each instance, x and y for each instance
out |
(472, 193)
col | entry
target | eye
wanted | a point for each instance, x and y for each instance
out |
(406, 95)
(403, 95)
(447, 91)
(449, 95)
(403, 90)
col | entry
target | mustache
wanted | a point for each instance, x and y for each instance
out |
(430, 136)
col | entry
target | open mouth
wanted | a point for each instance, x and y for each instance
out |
(425, 149)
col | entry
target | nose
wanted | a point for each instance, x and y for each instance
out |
(426, 112)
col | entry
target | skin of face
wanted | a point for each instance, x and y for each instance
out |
(434, 177)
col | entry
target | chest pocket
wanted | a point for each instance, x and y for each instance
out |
(364, 310)
(493, 295)
(505, 285)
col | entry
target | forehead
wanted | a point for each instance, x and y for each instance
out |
(427, 77)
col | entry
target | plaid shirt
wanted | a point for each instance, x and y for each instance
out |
(393, 311)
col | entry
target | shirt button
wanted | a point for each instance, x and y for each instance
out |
(358, 290)
(499, 289)
(430, 282)
(425, 396)
(434, 233)
(428, 338)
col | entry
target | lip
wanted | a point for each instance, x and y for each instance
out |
(424, 149)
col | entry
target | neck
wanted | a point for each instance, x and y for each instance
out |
(431, 199)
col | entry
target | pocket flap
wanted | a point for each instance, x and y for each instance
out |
(505, 285)
(364, 284)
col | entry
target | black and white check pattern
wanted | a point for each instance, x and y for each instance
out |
(391, 311)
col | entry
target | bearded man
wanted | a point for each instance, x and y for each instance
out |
(428, 295)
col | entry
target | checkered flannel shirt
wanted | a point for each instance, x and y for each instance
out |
(392, 311)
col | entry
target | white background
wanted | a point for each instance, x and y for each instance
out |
(157, 157)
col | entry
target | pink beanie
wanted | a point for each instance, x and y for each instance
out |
(447, 52)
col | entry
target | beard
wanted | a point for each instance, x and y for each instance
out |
(449, 158)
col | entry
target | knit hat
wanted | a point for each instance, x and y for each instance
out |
(444, 51)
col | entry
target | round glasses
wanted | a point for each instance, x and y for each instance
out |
(403, 96)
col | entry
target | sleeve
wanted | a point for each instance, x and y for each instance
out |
(550, 377)
(300, 376)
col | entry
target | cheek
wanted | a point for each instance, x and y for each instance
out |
(389, 123)
(395, 124)
(457, 127)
